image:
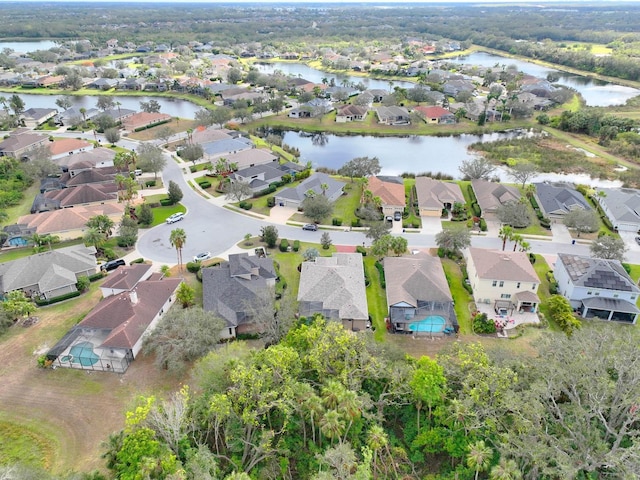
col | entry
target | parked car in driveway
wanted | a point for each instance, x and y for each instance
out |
(112, 265)
(176, 217)
(310, 226)
(397, 216)
(201, 257)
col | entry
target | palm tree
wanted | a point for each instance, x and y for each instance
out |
(505, 233)
(324, 187)
(525, 246)
(351, 408)
(376, 440)
(313, 405)
(517, 240)
(332, 425)
(94, 237)
(177, 239)
(506, 470)
(479, 457)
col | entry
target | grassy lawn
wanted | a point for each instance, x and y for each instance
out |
(376, 298)
(461, 297)
(288, 263)
(160, 214)
(21, 444)
(24, 207)
(343, 208)
(541, 267)
(412, 219)
(176, 125)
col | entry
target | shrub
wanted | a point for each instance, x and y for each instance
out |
(442, 252)
(150, 183)
(533, 201)
(380, 269)
(50, 301)
(97, 276)
(532, 258)
(83, 283)
(336, 221)
(545, 223)
(476, 209)
(296, 245)
(284, 245)
(110, 254)
(193, 267)
(482, 324)
(483, 225)
(192, 168)
(165, 202)
(137, 260)
(627, 267)
(356, 223)
(245, 205)
(553, 287)
(271, 202)
(205, 184)
(361, 250)
(472, 194)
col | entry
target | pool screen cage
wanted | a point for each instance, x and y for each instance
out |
(73, 351)
(400, 318)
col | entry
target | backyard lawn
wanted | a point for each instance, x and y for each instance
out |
(541, 267)
(376, 298)
(461, 298)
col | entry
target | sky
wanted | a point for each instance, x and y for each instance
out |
(478, 2)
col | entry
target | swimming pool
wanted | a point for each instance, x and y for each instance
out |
(431, 324)
(83, 354)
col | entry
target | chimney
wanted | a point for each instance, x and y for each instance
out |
(133, 296)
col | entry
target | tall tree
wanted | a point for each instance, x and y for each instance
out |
(101, 223)
(505, 234)
(608, 247)
(178, 238)
(105, 102)
(514, 213)
(64, 102)
(152, 106)
(453, 239)
(174, 192)
(317, 207)
(583, 221)
(479, 457)
(476, 168)
(522, 172)
(238, 190)
(360, 167)
(150, 158)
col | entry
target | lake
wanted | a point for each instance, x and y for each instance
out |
(595, 92)
(26, 47)
(415, 154)
(170, 106)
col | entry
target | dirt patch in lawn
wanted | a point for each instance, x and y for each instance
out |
(73, 410)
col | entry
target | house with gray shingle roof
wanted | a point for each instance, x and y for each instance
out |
(492, 195)
(125, 279)
(231, 288)
(557, 199)
(597, 288)
(622, 207)
(259, 177)
(334, 287)
(416, 289)
(393, 115)
(48, 274)
(504, 279)
(110, 337)
(294, 196)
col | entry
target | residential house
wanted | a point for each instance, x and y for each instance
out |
(436, 195)
(435, 114)
(377, 94)
(417, 289)
(104, 83)
(119, 115)
(231, 289)
(34, 117)
(64, 147)
(503, 279)
(314, 108)
(622, 207)
(218, 148)
(48, 274)
(69, 223)
(453, 88)
(294, 196)
(86, 194)
(259, 177)
(557, 199)
(125, 279)
(93, 158)
(110, 337)
(144, 119)
(76, 115)
(351, 113)
(597, 288)
(491, 195)
(20, 142)
(334, 287)
(391, 192)
(393, 115)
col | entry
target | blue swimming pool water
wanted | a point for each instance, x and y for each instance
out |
(83, 354)
(431, 324)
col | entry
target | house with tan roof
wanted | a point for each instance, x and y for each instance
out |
(68, 146)
(85, 194)
(251, 157)
(20, 142)
(334, 287)
(93, 158)
(597, 288)
(391, 192)
(110, 337)
(436, 195)
(125, 279)
(492, 195)
(351, 113)
(69, 223)
(144, 119)
(505, 280)
(48, 274)
(417, 290)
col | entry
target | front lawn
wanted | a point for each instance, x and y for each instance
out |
(461, 297)
(160, 214)
(288, 263)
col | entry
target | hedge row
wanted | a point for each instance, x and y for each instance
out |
(165, 202)
(380, 268)
(245, 205)
(66, 296)
(139, 129)
(204, 184)
(96, 276)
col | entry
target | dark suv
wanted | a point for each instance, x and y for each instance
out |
(112, 265)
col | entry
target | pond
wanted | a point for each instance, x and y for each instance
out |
(170, 106)
(414, 154)
(26, 47)
(595, 92)
(316, 76)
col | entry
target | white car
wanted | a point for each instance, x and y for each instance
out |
(201, 257)
(176, 217)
